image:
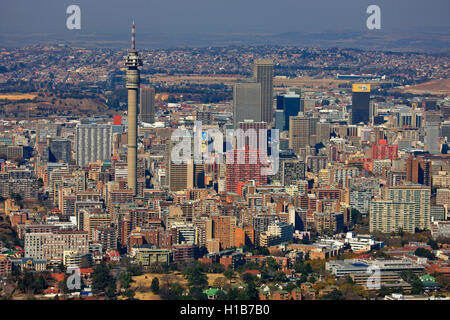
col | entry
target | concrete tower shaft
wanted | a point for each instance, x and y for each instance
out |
(132, 63)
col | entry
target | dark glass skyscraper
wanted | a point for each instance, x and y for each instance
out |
(263, 74)
(360, 103)
(60, 150)
(291, 106)
(147, 104)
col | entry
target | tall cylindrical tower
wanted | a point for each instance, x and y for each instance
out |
(132, 62)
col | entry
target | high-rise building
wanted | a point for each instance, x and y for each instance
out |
(263, 74)
(419, 195)
(223, 228)
(60, 150)
(432, 137)
(246, 166)
(147, 104)
(360, 103)
(299, 132)
(292, 171)
(51, 245)
(132, 63)
(419, 170)
(252, 140)
(290, 103)
(246, 102)
(391, 216)
(93, 142)
(382, 150)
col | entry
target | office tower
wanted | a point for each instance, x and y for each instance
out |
(240, 172)
(299, 132)
(432, 137)
(279, 104)
(93, 142)
(147, 104)
(253, 140)
(430, 104)
(418, 170)
(290, 105)
(223, 228)
(180, 176)
(443, 197)
(279, 120)
(263, 74)
(205, 117)
(60, 150)
(323, 132)
(246, 102)
(445, 130)
(292, 171)
(132, 63)
(382, 150)
(360, 103)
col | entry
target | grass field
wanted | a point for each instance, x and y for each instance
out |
(18, 96)
(437, 87)
(141, 284)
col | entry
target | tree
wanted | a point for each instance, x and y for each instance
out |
(422, 252)
(252, 292)
(110, 292)
(272, 264)
(101, 278)
(433, 244)
(197, 294)
(124, 279)
(229, 274)
(247, 277)
(155, 285)
(443, 281)
(279, 276)
(129, 294)
(135, 269)
(334, 295)
(416, 286)
(220, 282)
(62, 268)
(196, 276)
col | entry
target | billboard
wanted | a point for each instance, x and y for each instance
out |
(359, 87)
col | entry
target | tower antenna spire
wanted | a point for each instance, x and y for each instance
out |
(133, 36)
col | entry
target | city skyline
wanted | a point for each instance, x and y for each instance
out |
(235, 173)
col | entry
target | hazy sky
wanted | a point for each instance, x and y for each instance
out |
(219, 16)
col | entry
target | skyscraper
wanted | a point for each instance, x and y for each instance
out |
(291, 106)
(263, 74)
(246, 102)
(418, 170)
(360, 103)
(239, 172)
(299, 132)
(132, 62)
(92, 142)
(60, 150)
(147, 104)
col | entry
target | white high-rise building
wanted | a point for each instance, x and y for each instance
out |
(93, 142)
